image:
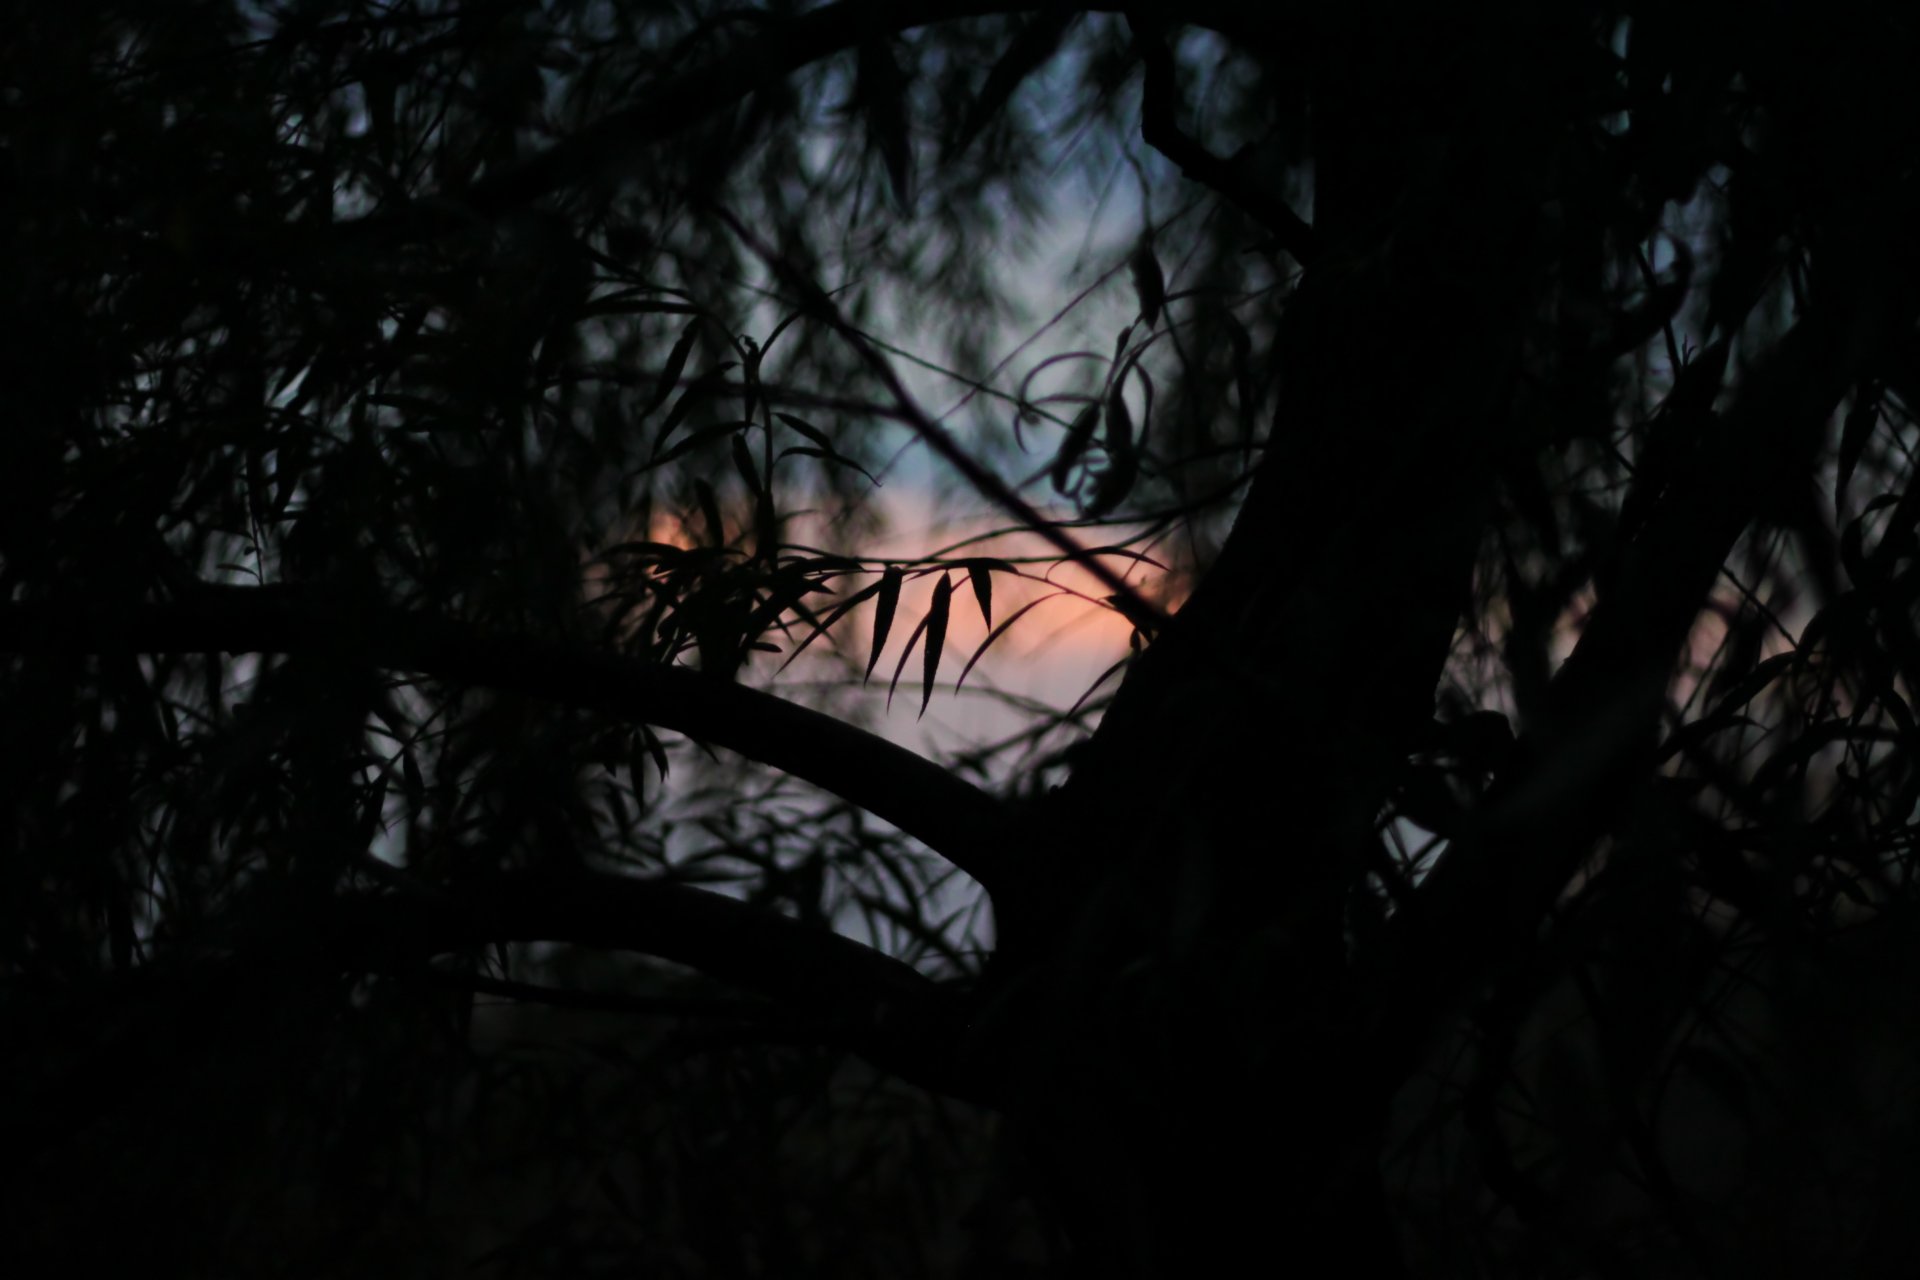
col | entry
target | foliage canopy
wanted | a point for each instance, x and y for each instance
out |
(431, 429)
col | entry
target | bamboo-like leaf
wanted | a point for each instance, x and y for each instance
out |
(806, 429)
(981, 578)
(694, 440)
(899, 668)
(999, 631)
(696, 391)
(889, 593)
(656, 749)
(1099, 680)
(1079, 435)
(710, 508)
(1123, 463)
(1029, 50)
(937, 616)
(1149, 283)
(840, 611)
(743, 463)
(828, 455)
(1127, 553)
(1663, 302)
(676, 363)
(410, 775)
(634, 303)
(1242, 343)
(883, 100)
(825, 451)
(1861, 420)
(766, 525)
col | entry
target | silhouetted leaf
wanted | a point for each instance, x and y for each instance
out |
(840, 611)
(1029, 50)
(1632, 328)
(806, 429)
(825, 449)
(883, 101)
(656, 750)
(632, 302)
(1093, 688)
(1852, 552)
(1123, 463)
(710, 509)
(999, 631)
(982, 580)
(937, 615)
(899, 668)
(743, 463)
(828, 455)
(1243, 377)
(1127, 553)
(699, 389)
(697, 440)
(416, 786)
(1149, 283)
(889, 593)
(676, 362)
(1079, 435)
(1861, 420)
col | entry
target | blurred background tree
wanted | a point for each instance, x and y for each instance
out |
(431, 429)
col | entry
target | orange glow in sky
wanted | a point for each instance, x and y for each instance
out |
(1052, 653)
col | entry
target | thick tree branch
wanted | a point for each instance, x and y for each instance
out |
(951, 816)
(881, 1008)
(827, 987)
(1500, 880)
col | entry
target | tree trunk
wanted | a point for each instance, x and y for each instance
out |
(1189, 992)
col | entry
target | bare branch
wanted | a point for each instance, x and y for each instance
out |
(951, 816)
(883, 1009)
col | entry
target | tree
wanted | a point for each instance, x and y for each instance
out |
(419, 420)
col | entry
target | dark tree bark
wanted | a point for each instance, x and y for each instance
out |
(1209, 991)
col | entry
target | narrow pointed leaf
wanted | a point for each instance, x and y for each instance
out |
(1079, 435)
(693, 440)
(900, 667)
(840, 611)
(1861, 420)
(1030, 49)
(1149, 283)
(676, 363)
(883, 100)
(1247, 407)
(1099, 680)
(743, 463)
(806, 429)
(1123, 465)
(999, 631)
(655, 749)
(828, 455)
(889, 592)
(982, 579)
(697, 390)
(710, 508)
(937, 616)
